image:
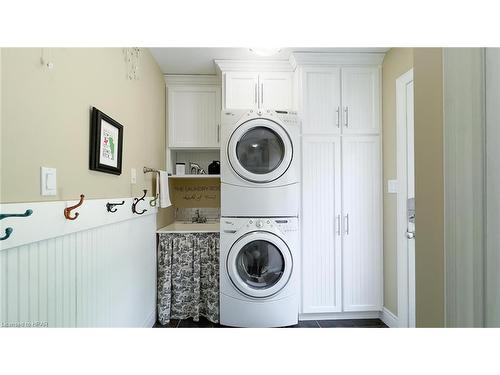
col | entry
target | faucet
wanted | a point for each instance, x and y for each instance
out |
(198, 219)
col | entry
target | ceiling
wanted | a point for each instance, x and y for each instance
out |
(201, 60)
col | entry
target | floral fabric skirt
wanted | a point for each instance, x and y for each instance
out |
(188, 276)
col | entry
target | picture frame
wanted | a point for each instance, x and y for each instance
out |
(106, 143)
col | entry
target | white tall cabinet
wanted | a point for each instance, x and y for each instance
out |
(339, 101)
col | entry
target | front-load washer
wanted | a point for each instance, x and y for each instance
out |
(260, 163)
(259, 265)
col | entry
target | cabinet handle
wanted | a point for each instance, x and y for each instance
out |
(218, 133)
(338, 225)
(261, 94)
(255, 98)
(347, 224)
(346, 116)
(338, 117)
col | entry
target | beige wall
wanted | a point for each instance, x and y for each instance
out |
(429, 200)
(45, 121)
(396, 62)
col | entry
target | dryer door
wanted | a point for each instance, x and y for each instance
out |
(259, 264)
(260, 150)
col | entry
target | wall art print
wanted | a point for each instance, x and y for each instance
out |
(106, 143)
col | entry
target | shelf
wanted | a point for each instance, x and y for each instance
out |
(196, 176)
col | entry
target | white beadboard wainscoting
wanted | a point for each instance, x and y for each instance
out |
(96, 271)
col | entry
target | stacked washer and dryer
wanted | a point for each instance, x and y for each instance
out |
(259, 257)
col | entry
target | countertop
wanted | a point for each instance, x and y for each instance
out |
(184, 227)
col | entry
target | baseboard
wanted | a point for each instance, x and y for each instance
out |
(341, 315)
(150, 320)
(389, 318)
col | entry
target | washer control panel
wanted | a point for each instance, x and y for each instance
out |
(232, 225)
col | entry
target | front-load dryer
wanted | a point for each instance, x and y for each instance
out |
(260, 163)
(259, 272)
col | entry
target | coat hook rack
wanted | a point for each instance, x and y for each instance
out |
(110, 206)
(152, 202)
(8, 232)
(26, 214)
(67, 210)
(137, 200)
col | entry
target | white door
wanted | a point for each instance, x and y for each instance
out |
(321, 225)
(406, 200)
(194, 116)
(321, 101)
(361, 100)
(362, 240)
(275, 90)
(241, 90)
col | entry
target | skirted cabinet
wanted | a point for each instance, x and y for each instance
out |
(339, 100)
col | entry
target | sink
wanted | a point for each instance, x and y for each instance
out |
(189, 227)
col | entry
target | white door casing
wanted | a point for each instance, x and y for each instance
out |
(321, 225)
(406, 192)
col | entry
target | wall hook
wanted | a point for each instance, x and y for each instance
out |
(137, 200)
(27, 213)
(110, 206)
(8, 232)
(152, 202)
(67, 210)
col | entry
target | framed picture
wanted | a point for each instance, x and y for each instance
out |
(106, 143)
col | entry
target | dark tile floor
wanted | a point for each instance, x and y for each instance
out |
(348, 323)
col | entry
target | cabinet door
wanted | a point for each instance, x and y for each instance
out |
(321, 221)
(361, 100)
(241, 90)
(275, 90)
(193, 116)
(362, 245)
(321, 101)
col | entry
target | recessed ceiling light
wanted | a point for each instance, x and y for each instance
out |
(265, 51)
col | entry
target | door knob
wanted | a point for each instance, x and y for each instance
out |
(410, 235)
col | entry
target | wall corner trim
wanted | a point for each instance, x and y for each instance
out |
(389, 318)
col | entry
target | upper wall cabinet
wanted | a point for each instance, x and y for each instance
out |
(194, 106)
(256, 84)
(361, 100)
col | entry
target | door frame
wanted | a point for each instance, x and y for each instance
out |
(404, 263)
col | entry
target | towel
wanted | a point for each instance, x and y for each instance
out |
(162, 189)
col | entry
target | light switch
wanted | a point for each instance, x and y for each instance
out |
(48, 181)
(392, 186)
(133, 176)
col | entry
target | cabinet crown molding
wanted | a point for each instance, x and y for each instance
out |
(254, 65)
(185, 79)
(335, 58)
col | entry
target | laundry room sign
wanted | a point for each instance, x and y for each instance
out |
(199, 192)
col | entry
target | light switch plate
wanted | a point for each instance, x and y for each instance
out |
(48, 181)
(133, 176)
(392, 186)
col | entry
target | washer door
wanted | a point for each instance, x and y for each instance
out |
(259, 264)
(260, 150)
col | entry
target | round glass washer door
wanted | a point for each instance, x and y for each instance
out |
(259, 264)
(260, 150)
